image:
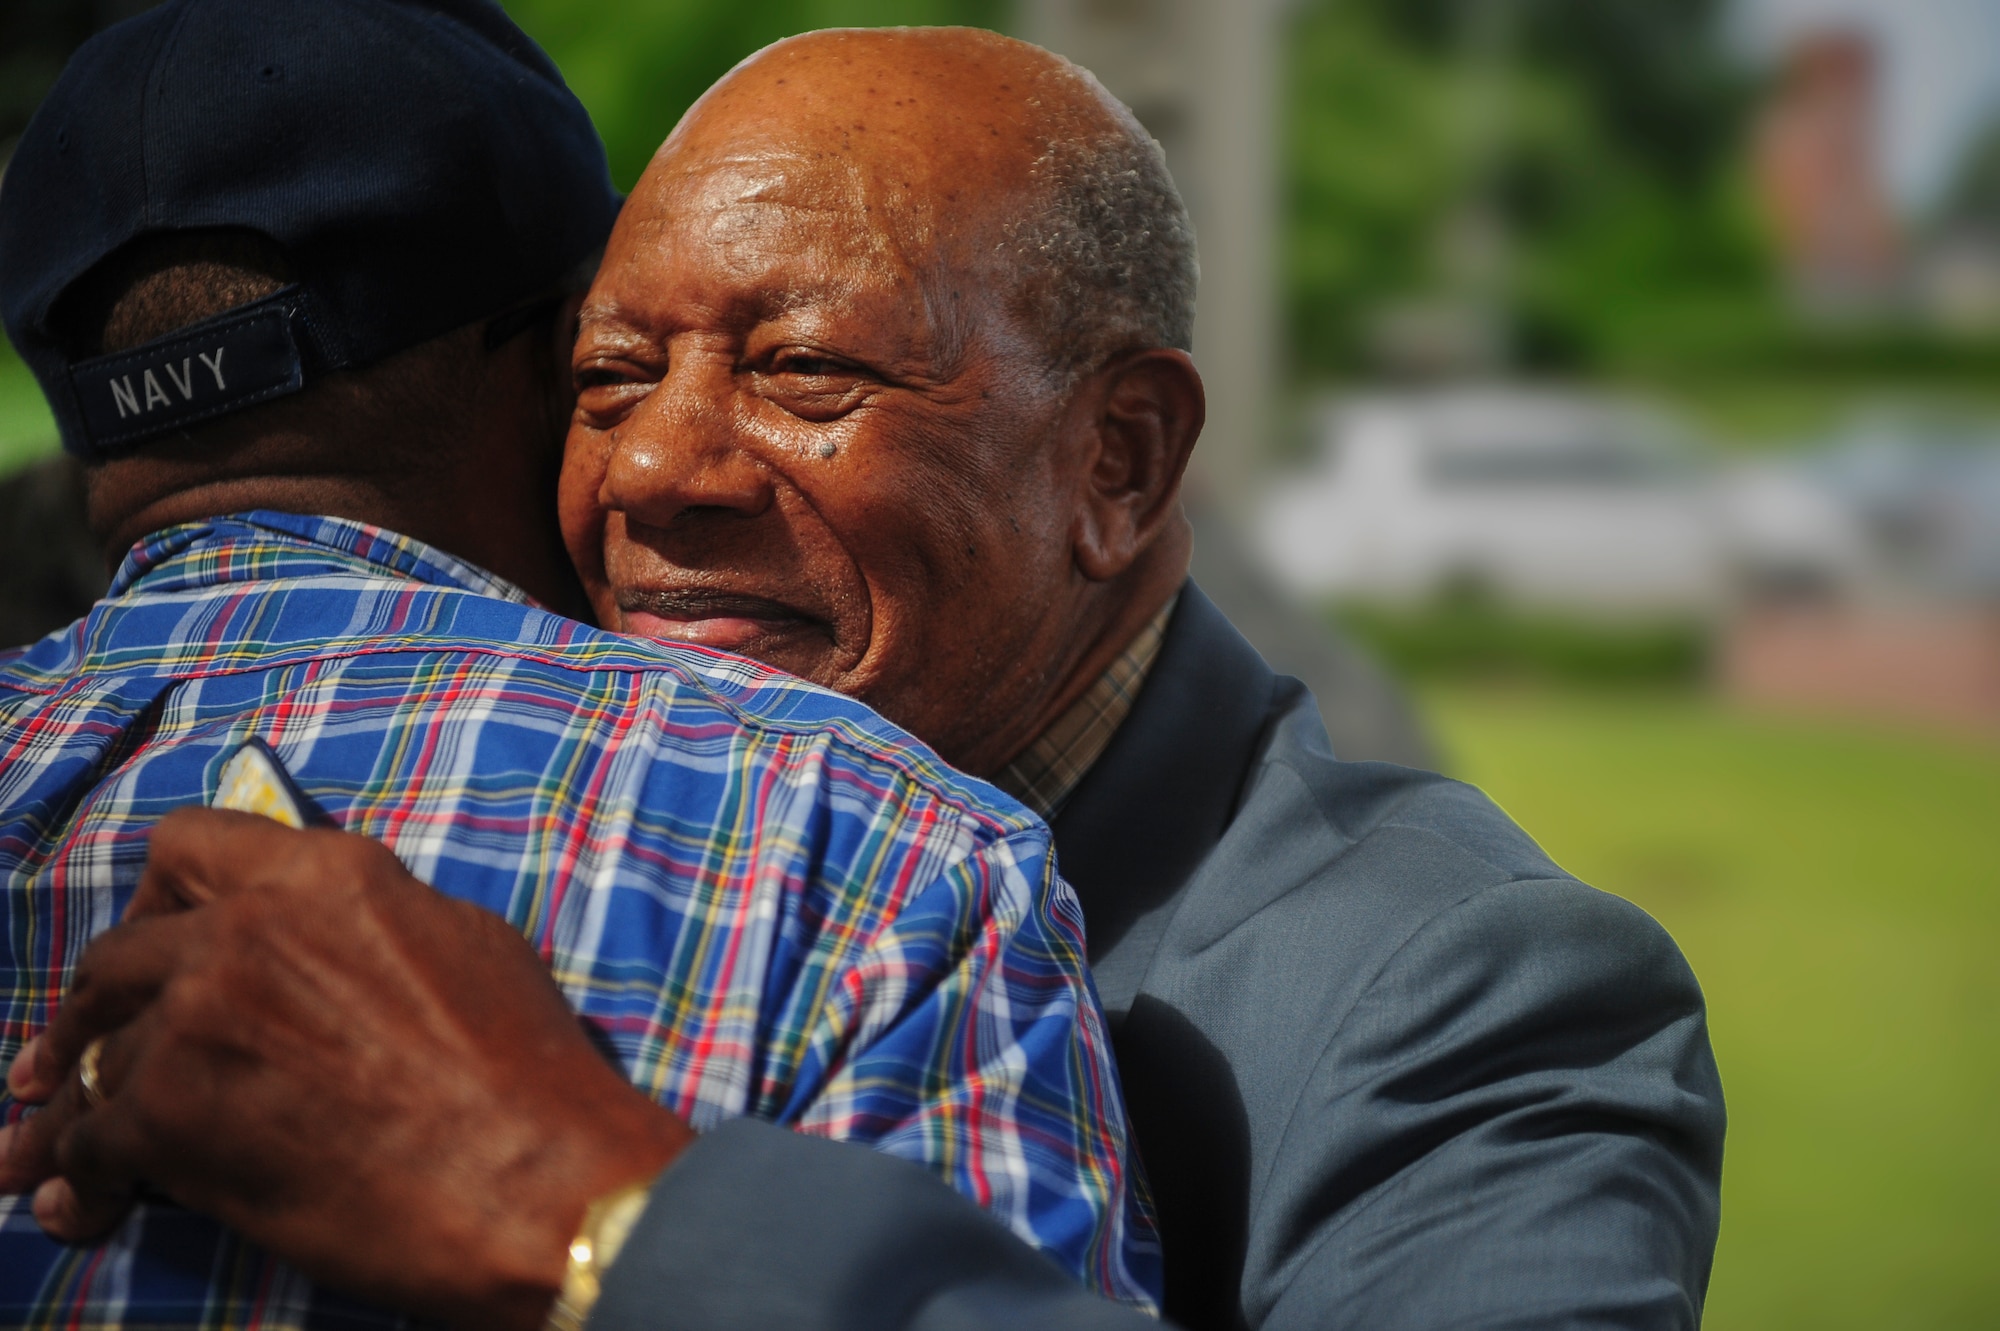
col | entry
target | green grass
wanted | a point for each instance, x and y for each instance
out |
(27, 431)
(1838, 893)
(1466, 634)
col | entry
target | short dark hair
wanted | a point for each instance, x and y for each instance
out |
(1111, 238)
(163, 283)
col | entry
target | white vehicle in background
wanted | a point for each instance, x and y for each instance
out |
(1546, 499)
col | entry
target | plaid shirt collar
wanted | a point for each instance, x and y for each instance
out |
(185, 558)
(1050, 769)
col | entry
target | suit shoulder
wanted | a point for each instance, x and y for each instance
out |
(1391, 854)
(1416, 827)
(1369, 802)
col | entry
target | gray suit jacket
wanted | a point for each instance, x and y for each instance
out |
(1388, 1066)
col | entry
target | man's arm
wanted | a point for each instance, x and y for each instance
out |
(864, 1242)
(349, 1068)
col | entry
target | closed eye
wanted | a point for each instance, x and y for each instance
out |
(811, 365)
(812, 384)
(599, 377)
(608, 390)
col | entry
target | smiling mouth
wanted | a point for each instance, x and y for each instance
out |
(707, 619)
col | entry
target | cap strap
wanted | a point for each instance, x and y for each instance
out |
(250, 354)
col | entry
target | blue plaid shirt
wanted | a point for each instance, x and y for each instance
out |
(768, 900)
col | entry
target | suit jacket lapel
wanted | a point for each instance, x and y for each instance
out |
(1154, 806)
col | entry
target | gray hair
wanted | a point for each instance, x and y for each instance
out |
(1110, 251)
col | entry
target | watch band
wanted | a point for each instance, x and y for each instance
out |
(606, 1225)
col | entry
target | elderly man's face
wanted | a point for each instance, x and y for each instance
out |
(810, 431)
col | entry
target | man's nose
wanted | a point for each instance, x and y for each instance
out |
(680, 454)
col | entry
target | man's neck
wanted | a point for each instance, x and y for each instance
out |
(1042, 775)
(1131, 604)
(472, 532)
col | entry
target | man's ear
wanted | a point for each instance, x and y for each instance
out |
(1145, 411)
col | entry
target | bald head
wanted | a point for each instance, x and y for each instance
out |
(979, 156)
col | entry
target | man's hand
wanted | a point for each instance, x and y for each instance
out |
(377, 1082)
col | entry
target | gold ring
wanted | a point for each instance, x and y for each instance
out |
(87, 1072)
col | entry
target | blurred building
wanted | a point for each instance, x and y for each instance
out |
(1819, 172)
(1917, 638)
(1859, 575)
(1935, 664)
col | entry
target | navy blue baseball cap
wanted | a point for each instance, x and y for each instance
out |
(420, 165)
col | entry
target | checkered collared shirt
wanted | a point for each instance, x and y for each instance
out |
(1048, 770)
(769, 901)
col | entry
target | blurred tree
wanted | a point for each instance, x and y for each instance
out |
(1655, 72)
(1371, 164)
(1606, 157)
(638, 64)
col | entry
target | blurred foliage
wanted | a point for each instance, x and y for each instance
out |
(1614, 167)
(1614, 157)
(1469, 636)
(1370, 166)
(1653, 72)
(639, 64)
(27, 430)
(1835, 889)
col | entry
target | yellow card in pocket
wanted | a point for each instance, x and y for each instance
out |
(254, 780)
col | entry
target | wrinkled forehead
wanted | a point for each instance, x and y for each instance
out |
(757, 226)
(878, 187)
(763, 196)
(890, 169)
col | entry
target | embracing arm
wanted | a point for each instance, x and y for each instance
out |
(368, 1077)
(867, 1242)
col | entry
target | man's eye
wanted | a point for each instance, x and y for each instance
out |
(607, 392)
(601, 376)
(811, 385)
(812, 366)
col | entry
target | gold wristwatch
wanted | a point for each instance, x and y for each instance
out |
(606, 1226)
